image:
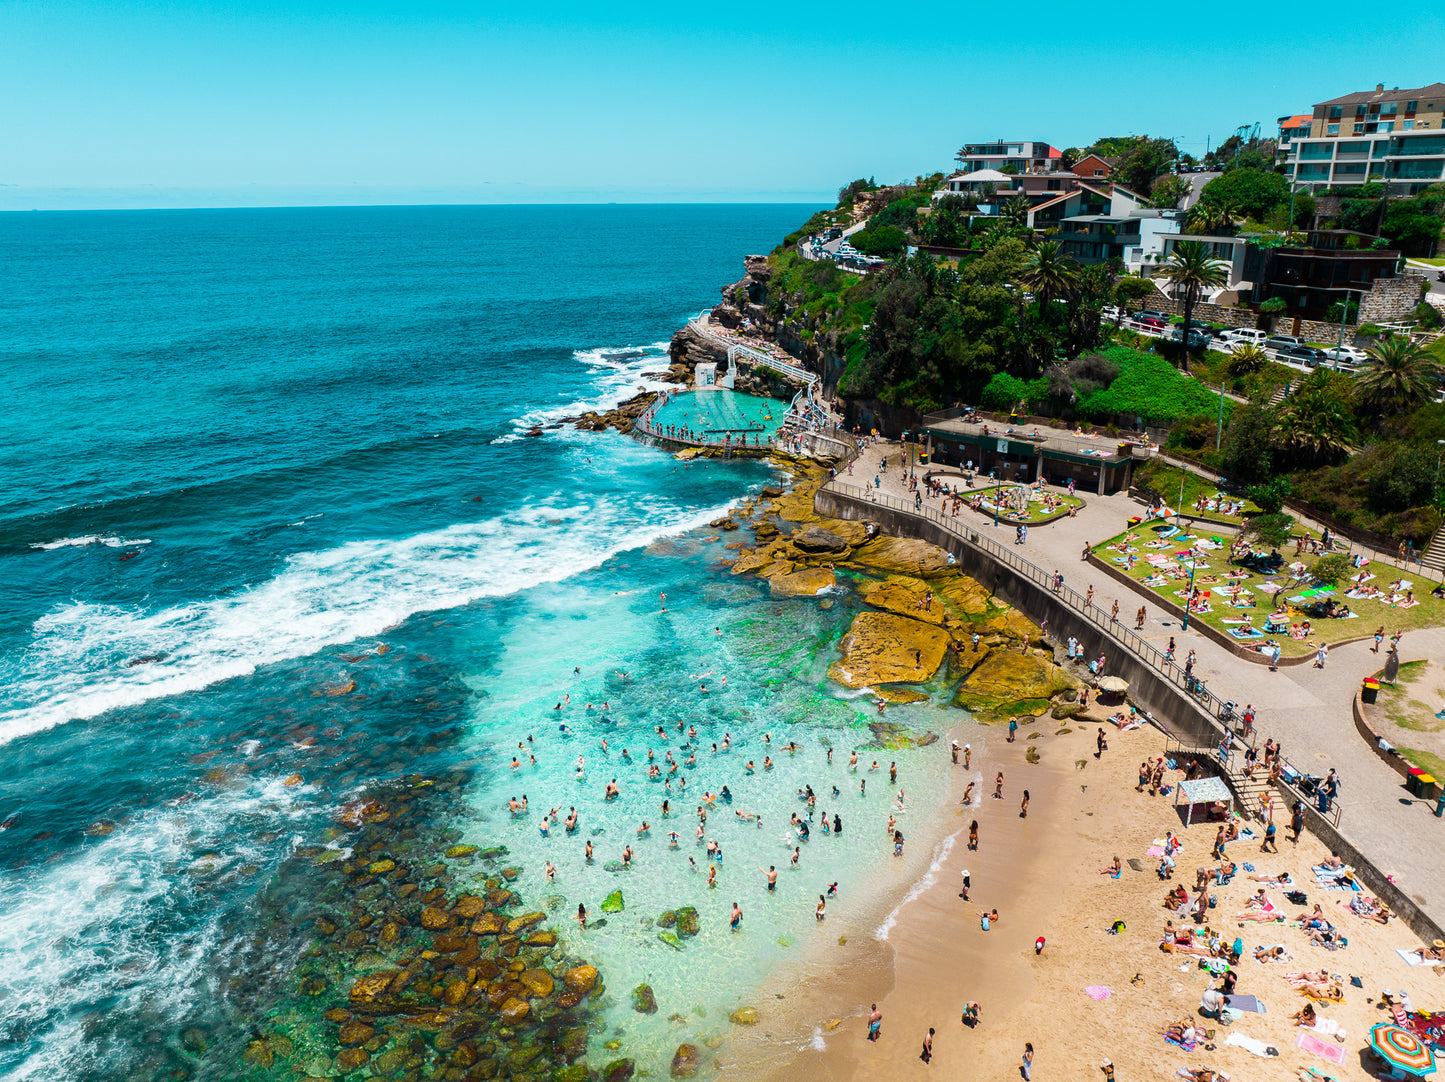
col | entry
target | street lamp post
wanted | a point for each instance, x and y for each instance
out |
(1439, 451)
(1188, 597)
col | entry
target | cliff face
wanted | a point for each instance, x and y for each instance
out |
(752, 298)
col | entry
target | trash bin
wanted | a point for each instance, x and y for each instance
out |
(1370, 691)
(1428, 786)
(1412, 781)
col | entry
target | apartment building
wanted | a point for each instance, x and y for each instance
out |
(1023, 155)
(1394, 136)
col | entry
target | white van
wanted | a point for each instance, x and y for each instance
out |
(1239, 336)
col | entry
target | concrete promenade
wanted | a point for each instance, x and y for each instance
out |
(1308, 710)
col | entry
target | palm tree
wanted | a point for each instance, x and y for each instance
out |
(1317, 422)
(1015, 213)
(1192, 270)
(1246, 359)
(1211, 217)
(1399, 376)
(1048, 273)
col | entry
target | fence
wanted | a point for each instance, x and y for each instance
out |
(1220, 713)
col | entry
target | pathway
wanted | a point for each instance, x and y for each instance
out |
(1307, 709)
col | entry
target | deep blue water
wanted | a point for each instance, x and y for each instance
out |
(243, 449)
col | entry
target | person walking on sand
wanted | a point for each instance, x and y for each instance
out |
(1024, 807)
(966, 881)
(875, 1022)
(1100, 744)
(973, 834)
(1268, 845)
(927, 1046)
(998, 786)
(1013, 725)
(1297, 821)
(1027, 1070)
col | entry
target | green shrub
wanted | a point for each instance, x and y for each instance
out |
(1328, 570)
(1150, 387)
(884, 241)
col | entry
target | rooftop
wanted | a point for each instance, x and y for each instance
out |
(1302, 120)
(1053, 441)
(1379, 94)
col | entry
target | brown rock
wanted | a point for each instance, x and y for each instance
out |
(542, 939)
(581, 979)
(356, 1033)
(367, 988)
(538, 982)
(446, 943)
(685, 1061)
(337, 1015)
(515, 1010)
(526, 920)
(469, 907)
(435, 919)
(456, 992)
(489, 924)
(809, 582)
(883, 648)
(352, 1058)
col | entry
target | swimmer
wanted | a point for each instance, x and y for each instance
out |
(582, 916)
(672, 839)
(968, 794)
(832, 889)
(551, 872)
(589, 851)
(767, 763)
(712, 875)
(645, 828)
(737, 917)
(614, 791)
(749, 768)
(853, 760)
(627, 857)
(772, 874)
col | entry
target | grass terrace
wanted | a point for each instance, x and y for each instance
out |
(1037, 510)
(1169, 481)
(1233, 592)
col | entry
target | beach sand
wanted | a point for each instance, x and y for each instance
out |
(1042, 873)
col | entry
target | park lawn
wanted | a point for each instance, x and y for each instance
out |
(1036, 512)
(1371, 614)
(1427, 761)
(1165, 479)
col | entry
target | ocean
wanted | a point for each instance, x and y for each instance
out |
(275, 541)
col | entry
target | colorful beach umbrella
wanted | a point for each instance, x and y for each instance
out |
(1402, 1049)
(1114, 684)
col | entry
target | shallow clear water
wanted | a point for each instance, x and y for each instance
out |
(714, 414)
(246, 449)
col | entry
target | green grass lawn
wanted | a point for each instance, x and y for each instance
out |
(1166, 480)
(1036, 511)
(1428, 612)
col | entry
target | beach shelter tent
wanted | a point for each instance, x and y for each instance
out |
(1402, 1052)
(1202, 791)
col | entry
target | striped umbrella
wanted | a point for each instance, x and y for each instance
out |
(1401, 1049)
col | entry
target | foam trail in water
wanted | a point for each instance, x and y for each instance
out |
(940, 855)
(619, 376)
(88, 540)
(77, 666)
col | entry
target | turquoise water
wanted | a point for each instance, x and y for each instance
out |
(713, 415)
(249, 450)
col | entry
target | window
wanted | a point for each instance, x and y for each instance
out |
(1359, 129)
(1408, 125)
(1390, 108)
(1390, 126)
(1332, 129)
(1350, 169)
(1411, 106)
(1336, 112)
(1098, 172)
(1316, 151)
(1361, 147)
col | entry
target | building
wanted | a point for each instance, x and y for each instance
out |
(1244, 260)
(1290, 129)
(1059, 455)
(1094, 167)
(1023, 156)
(1336, 265)
(1389, 136)
(1108, 223)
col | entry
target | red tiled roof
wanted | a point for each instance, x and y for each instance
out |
(1300, 121)
(1055, 152)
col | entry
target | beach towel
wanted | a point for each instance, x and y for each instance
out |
(1414, 959)
(1328, 1027)
(1098, 991)
(1251, 1044)
(1332, 1052)
(1245, 1003)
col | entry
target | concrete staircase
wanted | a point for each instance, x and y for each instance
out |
(1278, 396)
(1434, 557)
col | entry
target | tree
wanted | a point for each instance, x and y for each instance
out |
(1252, 192)
(1168, 190)
(1069, 157)
(1249, 448)
(1212, 217)
(1141, 161)
(948, 224)
(1192, 270)
(1400, 377)
(1048, 273)
(1246, 359)
(1316, 424)
(884, 240)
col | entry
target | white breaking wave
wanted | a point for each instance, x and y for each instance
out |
(87, 540)
(96, 932)
(940, 855)
(619, 376)
(78, 663)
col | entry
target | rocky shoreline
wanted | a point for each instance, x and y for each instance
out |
(923, 612)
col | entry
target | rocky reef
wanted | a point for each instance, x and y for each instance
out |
(922, 616)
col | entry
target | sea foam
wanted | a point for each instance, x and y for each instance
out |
(618, 375)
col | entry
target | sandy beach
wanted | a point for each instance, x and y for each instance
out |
(1043, 875)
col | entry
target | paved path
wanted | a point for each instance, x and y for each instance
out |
(1307, 709)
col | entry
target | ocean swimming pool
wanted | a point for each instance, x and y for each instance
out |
(715, 414)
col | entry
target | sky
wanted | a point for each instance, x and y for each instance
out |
(153, 104)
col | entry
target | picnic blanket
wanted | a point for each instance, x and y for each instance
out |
(1097, 991)
(1270, 588)
(1245, 1003)
(1412, 959)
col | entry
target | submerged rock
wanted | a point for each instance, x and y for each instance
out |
(643, 1001)
(744, 1016)
(808, 582)
(685, 1061)
(613, 903)
(1010, 683)
(619, 1070)
(687, 922)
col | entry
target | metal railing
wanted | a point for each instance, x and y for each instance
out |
(1221, 713)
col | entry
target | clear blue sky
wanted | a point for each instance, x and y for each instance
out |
(206, 104)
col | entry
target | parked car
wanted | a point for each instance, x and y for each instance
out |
(1197, 340)
(1282, 341)
(1145, 314)
(1157, 323)
(1110, 312)
(1241, 335)
(1347, 355)
(1308, 354)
